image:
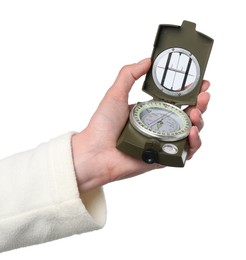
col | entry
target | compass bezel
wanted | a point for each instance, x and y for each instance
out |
(139, 125)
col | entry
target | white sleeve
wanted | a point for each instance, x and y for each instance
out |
(39, 197)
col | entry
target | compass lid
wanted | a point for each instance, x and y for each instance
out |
(179, 61)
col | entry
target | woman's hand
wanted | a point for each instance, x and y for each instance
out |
(97, 161)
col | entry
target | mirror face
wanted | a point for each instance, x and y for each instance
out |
(176, 71)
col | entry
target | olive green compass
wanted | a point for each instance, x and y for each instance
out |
(157, 130)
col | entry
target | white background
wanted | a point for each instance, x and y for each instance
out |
(58, 58)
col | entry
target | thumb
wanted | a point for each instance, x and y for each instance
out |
(127, 76)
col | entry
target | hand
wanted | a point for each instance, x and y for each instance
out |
(195, 114)
(97, 161)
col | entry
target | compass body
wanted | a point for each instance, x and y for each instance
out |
(157, 130)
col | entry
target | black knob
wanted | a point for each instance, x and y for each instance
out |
(150, 156)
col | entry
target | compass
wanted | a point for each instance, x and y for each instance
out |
(157, 130)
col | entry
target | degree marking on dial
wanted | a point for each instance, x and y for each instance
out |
(148, 119)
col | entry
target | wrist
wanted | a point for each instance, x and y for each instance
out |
(86, 163)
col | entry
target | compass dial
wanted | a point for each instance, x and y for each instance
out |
(161, 120)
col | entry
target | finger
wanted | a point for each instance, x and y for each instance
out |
(202, 103)
(195, 142)
(205, 85)
(126, 78)
(196, 119)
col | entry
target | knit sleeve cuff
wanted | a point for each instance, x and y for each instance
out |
(42, 200)
(61, 163)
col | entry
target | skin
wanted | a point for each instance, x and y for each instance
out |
(97, 161)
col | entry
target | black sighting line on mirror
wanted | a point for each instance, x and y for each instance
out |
(186, 74)
(166, 68)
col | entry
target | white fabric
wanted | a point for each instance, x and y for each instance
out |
(39, 197)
